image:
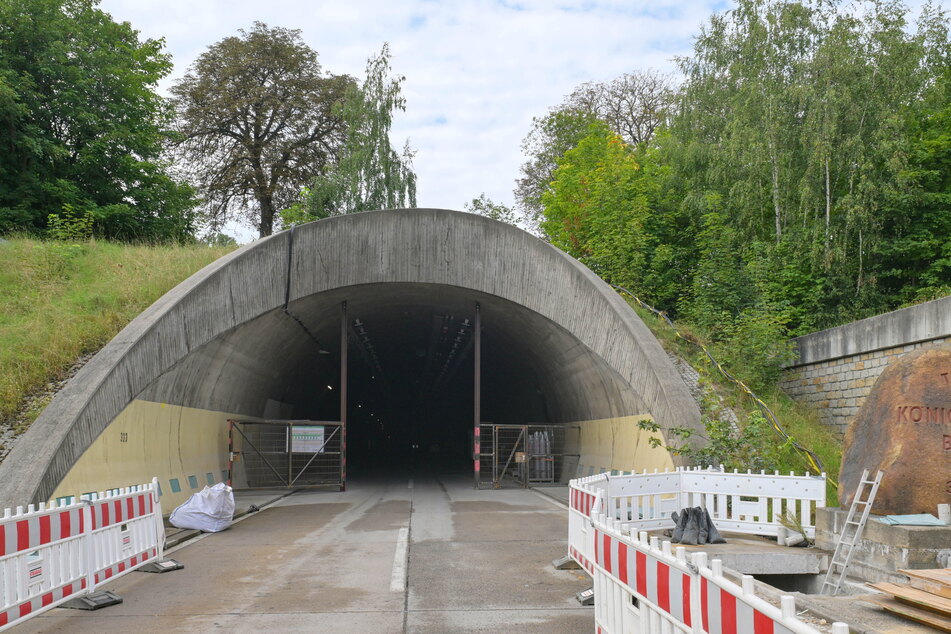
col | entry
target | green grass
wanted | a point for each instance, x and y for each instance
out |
(798, 421)
(60, 300)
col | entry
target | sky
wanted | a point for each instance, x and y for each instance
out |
(476, 71)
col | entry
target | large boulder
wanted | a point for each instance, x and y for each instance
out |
(904, 429)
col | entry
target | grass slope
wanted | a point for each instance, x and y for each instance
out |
(60, 300)
(799, 421)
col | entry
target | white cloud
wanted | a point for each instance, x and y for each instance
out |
(484, 67)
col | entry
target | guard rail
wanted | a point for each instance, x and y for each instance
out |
(55, 552)
(643, 586)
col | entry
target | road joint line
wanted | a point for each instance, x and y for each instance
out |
(398, 576)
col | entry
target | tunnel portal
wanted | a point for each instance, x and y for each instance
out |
(258, 334)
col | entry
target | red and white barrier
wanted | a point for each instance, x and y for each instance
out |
(54, 553)
(585, 495)
(641, 587)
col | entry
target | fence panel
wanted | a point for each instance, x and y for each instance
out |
(749, 503)
(648, 499)
(286, 453)
(642, 587)
(41, 554)
(124, 533)
(753, 502)
(522, 454)
(53, 553)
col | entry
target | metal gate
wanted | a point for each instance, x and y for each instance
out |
(523, 455)
(286, 453)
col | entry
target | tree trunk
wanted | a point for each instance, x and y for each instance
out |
(777, 209)
(828, 203)
(267, 216)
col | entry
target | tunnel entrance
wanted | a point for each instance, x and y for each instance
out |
(411, 371)
(411, 362)
(257, 335)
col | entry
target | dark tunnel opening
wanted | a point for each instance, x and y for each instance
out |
(411, 375)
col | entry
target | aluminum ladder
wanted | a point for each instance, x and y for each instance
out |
(849, 538)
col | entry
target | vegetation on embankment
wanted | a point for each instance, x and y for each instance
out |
(752, 443)
(62, 299)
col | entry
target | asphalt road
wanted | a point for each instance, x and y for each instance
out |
(427, 554)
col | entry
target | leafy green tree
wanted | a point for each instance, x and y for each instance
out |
(795, 115)
(917, 258)
(83, 125)
(597, 206)
(484, 206)
(634, 106)
(258, 120)
(370, 174)
(551, 136)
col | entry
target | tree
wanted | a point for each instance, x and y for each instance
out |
(597, 206)
(796, 116)
(484, 206)
(257, 121)
(633, 106)
(83, 127)
(918, 255)
(370, 174)
(550, 137)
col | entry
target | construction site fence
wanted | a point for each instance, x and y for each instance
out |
(286, 453)
(642, 585)
(65, 549)
(524, 455)
(749, 503)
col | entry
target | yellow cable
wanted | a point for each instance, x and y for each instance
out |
(764, 408)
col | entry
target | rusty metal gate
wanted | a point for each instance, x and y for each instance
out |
(523, 455)
(287, 453)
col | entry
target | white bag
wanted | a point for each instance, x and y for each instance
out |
(210, 510)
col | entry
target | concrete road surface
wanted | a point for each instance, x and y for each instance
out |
(428, 554)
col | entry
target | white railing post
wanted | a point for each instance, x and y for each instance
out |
(159, 524)
(87, 547)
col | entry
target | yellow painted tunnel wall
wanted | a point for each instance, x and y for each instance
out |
(185, 448)
(617, 444)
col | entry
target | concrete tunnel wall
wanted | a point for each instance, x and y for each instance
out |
(221, 341)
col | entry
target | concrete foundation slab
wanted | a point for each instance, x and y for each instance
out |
(885, 549)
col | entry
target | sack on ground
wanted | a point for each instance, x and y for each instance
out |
(694, 526)
(210, 510)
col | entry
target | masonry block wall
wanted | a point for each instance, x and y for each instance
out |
(836, 368)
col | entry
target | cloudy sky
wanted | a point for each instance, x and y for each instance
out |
(477, 71)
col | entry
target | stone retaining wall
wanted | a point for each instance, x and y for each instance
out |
(836, 368)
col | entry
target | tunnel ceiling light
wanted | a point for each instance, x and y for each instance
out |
(330, 387)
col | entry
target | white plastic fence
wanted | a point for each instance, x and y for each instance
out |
(641, 586)
(57, 552)
(750, 503)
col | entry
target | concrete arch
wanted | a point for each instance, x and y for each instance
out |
(228, 338)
